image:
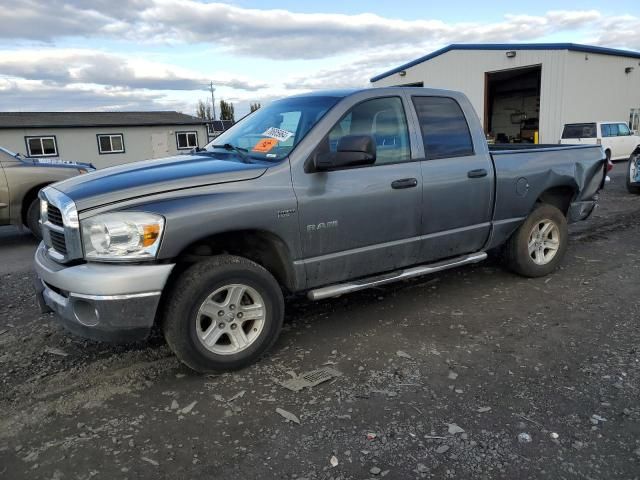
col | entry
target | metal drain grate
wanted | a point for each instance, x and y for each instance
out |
(310, 379)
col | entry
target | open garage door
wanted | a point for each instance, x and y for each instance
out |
(512, 105)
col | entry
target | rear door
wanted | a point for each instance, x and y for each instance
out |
(611, 141)
(458, 179)
(360, 221)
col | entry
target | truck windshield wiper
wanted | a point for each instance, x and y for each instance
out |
(239, 150)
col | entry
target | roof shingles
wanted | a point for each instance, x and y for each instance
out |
(94, 119)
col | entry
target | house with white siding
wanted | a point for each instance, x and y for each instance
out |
(101, 138)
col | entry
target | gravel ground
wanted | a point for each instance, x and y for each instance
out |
(473, 373)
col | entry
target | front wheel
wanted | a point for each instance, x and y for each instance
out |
(632, 174)
(33, 218)
(223, 314)
(538, 246)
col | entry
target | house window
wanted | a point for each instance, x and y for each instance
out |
(41, 146)
(186, 140)
(110, 143)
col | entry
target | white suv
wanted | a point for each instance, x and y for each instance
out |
(616, 139)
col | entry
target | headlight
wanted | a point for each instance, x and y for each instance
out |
(122, 236)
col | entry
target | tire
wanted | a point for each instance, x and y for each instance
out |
(33, 219)
(540, 262)
(635, 189)
(193, 314)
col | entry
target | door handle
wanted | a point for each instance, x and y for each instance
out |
(404, 183)
(478, 173)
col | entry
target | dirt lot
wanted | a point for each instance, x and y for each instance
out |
(474, 373)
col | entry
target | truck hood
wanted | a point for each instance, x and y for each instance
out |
(139, 179)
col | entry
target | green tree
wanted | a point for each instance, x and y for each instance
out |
(226, 111)
(254, 106)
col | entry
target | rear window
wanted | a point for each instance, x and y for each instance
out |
(580, 130)
(444, 127)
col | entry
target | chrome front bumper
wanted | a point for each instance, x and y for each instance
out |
(101, 301)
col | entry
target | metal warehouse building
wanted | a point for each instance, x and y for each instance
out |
(521, 88)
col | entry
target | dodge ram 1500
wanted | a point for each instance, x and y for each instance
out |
(321, 194)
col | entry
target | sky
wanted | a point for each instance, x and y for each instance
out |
(109, 55)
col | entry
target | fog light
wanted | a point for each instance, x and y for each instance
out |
(86, 313)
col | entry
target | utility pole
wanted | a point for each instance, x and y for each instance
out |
(213, 101)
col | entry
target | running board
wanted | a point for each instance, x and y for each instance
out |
(342, 288)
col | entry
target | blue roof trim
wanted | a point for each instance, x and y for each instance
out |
(511, 46)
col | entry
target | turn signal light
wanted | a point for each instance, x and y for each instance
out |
(150, 234)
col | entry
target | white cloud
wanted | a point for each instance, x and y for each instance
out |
(83, 78)
(277, 34)
(81, 66)
(27, 95)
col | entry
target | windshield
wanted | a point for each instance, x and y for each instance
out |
(271, 132)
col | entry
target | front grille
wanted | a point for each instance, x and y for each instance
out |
(54, 215)
(60, 231)
(58, 241)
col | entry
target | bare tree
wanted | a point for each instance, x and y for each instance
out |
(254, 106)
(203, 110)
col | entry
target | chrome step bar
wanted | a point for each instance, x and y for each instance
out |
(355, 285)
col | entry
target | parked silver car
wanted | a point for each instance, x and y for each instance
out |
(20, 181)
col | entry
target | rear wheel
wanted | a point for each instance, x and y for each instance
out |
(223, 314)
(538, 246)
(632, 174)
(33, 218)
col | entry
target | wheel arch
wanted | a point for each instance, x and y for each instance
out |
(559, 196)
(263, 247)
(27, 198)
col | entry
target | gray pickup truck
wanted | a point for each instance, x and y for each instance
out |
(321, 194)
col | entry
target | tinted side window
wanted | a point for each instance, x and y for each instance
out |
(609, 130)
(623, 129)
(385, 121)
(444, 128)
(579, 130)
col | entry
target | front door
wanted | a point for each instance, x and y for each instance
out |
(629, 140)
(458, 183)
(4, 196)
(359, 221)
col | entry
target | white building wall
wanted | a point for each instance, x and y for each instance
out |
(598, 89)
(572, 89)
(81, 144)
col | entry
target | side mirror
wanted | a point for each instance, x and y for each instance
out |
(352, 151)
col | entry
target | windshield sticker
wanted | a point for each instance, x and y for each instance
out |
(263, 146)
(278, 134)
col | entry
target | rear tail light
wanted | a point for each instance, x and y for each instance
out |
(609, 165)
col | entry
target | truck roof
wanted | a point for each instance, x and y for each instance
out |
(346, 92)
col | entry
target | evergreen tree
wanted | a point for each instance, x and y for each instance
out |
(226, 111)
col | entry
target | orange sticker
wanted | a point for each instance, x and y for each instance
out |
(265, 145)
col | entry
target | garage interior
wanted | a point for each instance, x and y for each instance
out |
(512, 105)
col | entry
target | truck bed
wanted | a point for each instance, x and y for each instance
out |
(524, 171)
